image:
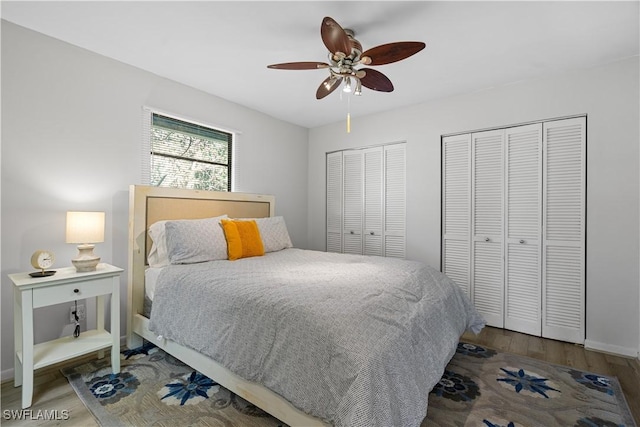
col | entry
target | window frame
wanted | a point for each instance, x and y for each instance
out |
(147, 153)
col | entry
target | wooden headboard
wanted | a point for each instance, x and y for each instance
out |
(148, 205)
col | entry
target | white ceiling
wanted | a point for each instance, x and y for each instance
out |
(224, 47)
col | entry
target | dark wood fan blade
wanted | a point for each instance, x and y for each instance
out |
(375, 80)
(299, 66)
(391, 52)
(334, 37)
(327, 86)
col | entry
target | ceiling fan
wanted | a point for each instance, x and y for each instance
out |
(345, 53)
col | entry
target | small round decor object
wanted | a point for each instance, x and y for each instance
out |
(42, 260)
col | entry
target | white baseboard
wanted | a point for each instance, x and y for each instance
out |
(613, 349)
(7, 374)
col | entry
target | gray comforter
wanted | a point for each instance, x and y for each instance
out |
(353, 340)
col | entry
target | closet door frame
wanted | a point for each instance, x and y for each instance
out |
(359, 233)
(462, 268)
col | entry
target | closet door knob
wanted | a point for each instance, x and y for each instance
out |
(352, 232)
(486, 239)
(372, 233)
(521, 241)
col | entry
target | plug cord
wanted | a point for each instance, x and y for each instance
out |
(76, 331)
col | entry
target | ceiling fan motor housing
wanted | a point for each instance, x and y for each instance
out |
(344, 62)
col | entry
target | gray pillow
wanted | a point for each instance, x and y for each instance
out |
(274, 233)
(195, 240)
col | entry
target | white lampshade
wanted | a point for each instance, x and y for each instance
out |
(85, 228)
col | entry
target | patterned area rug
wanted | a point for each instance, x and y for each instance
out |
(480, 387)
(483, 387)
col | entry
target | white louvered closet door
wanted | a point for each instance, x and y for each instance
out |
(523, 225)
(352, 201)
(373, 201)
(487, 279)
(334, 202)
(456, 209)
(395, 201)
(563, 285)
(366, 201)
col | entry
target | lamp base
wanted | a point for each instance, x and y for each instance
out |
(86, 259)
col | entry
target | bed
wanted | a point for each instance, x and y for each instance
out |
(285, 331)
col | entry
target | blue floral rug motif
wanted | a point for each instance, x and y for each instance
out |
(483, 387)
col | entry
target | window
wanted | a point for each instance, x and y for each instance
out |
(189, 155)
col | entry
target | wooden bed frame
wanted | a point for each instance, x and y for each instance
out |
(150, 204)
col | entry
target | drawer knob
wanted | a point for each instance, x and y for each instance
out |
(76, 291)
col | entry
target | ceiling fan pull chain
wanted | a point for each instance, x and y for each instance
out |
(348, 113)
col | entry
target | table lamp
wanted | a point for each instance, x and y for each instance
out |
(85, 228)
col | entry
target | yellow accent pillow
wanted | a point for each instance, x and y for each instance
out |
(243, 238)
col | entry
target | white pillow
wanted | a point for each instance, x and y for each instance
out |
(196, 240)
(158, 254)
(274, 233)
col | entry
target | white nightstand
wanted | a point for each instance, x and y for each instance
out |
(64, 286)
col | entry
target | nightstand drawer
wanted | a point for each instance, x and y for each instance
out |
(72, 291)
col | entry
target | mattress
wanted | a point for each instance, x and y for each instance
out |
(353, 340)
(151, 281)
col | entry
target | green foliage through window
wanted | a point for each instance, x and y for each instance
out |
(187, 155)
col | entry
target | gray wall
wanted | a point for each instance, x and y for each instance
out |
(609, 95)
(71, 131)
